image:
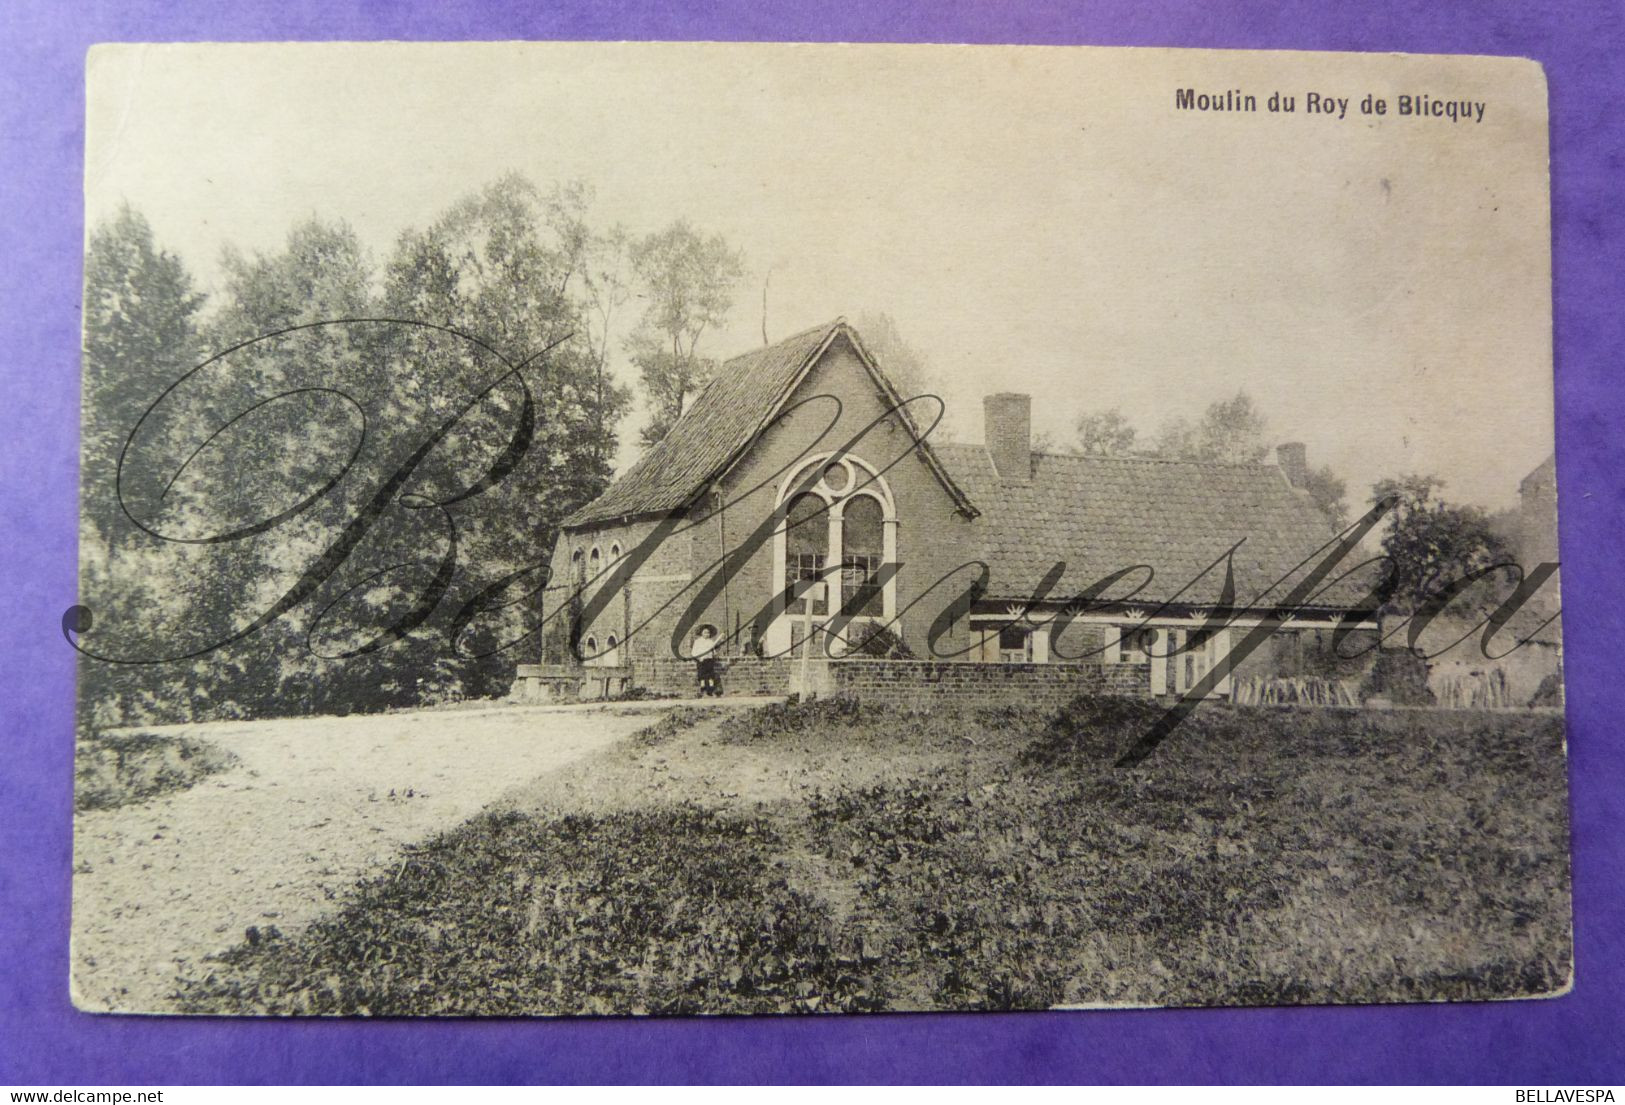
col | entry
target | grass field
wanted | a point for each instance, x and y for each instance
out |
(830, 857)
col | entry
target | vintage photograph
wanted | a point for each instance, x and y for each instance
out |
(614, 529)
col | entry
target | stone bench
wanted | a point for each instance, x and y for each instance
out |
(536, 683)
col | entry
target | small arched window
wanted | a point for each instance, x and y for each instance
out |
(615, 552)
(576, 566)
(595, 562)
(611, 657)
(589, 651)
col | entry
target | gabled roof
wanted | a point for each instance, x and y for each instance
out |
(1103, 514)
(724, 420)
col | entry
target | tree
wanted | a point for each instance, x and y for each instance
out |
(1429, 542)
(688, 283)
(1231, 432)
(904, 365)
(141, 334)
(324, 417)
(1043, 441)
(1177, 439)
(1104, 434)
(607, 278)
(520, 269)
(1328, 493)
(321, 273)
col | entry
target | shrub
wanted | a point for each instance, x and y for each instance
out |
(1092, 729)
(1400, 676)
(879, 642)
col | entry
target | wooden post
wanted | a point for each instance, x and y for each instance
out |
(814, 593)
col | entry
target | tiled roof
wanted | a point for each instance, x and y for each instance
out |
(1102, 514)
(741, 398)
(1099, 514)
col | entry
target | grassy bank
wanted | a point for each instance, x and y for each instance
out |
(117, 770)
(831, 857)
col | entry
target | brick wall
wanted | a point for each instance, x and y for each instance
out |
(918, 684)
(906, 684)
(740, 675)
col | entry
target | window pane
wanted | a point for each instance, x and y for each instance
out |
(861, 592)
(807, 526)
(862, 528)
(806, 544)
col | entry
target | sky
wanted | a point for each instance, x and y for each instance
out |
(1034, 219)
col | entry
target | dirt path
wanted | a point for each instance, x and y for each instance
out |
(314, 805)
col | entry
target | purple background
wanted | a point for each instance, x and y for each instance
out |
(42, 1039)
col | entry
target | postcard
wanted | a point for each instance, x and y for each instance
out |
(623, 528)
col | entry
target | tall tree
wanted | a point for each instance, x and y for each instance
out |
(141, 324)
(1104, 434)
(688, 282)
(141, 334)
(1178, 439)
(515, 267)
(607, 277)
(1232, 431)
(261, 426)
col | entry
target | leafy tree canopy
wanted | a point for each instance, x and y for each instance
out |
(270, 424)
(1430, 542)
(1231, 431)
(1104, 434)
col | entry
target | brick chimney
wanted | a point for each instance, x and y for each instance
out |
(1007, 427)
(1293, 458)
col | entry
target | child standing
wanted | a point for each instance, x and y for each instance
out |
(705, 662)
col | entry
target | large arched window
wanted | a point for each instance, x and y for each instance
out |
(838, 525)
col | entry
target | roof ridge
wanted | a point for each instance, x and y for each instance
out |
(1153, 459)
(723, 366)
(1136, 458)
(839, 320)
(716, 424)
